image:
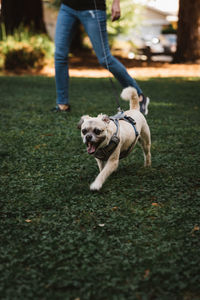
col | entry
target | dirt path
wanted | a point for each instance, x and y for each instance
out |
(88, 66)
(169, 71)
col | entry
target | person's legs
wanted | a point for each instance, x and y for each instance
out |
(64, 31)
(95, 25)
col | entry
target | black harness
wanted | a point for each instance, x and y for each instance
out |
(104, 153)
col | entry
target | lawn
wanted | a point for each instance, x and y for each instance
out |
(138, 238)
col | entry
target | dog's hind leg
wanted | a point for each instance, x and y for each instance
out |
(145, 142)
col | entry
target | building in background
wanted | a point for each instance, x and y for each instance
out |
(156, 33)
(154, 21)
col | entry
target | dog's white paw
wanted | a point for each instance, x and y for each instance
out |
(95, 186)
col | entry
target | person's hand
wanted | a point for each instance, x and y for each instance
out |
(115, 10)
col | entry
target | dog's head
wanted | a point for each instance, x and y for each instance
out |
(94, 132)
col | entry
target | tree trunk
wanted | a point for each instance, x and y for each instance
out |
(188, 36)
(28, 13)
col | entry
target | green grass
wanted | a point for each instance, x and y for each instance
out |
(61, 241)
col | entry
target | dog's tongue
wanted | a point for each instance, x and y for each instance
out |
(90, 148)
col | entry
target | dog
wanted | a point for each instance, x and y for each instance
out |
(110, 138)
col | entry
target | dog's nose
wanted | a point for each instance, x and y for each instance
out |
(88, 137)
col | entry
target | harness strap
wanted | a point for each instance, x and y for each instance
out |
(116, 124)
(104, 153)
(133, 123)
(126, 152)
(122, 116)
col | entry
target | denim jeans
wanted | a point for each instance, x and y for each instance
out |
(91, 20)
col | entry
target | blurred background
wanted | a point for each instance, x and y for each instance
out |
(149, 31)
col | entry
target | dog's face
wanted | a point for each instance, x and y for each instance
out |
(94, 132)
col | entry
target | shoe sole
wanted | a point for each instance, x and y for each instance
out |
(58, 110)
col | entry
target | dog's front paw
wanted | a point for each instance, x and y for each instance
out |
(95, 186)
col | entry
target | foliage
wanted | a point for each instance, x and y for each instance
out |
(130, 18)
(138, 238)
(55, 3)
(23, 58)
(169, 30)
(24, 49)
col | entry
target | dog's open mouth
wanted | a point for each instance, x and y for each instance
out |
(91, 147)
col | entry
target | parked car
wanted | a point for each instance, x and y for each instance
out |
(162, 44)
(169, 42)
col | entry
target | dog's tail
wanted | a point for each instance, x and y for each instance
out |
(130, 94)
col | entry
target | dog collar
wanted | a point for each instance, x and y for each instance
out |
(104, 153)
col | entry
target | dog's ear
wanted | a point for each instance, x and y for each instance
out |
(83, 118)
(106, 119)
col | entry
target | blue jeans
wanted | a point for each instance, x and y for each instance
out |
(67, 18)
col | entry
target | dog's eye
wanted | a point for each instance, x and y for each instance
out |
(84, 131)
(97, 131)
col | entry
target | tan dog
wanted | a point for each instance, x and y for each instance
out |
(109, 139)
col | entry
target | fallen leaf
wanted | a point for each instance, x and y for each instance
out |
(47, 134)
(196, 228)
(39, 146)
(146, 273)
(115, 208)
